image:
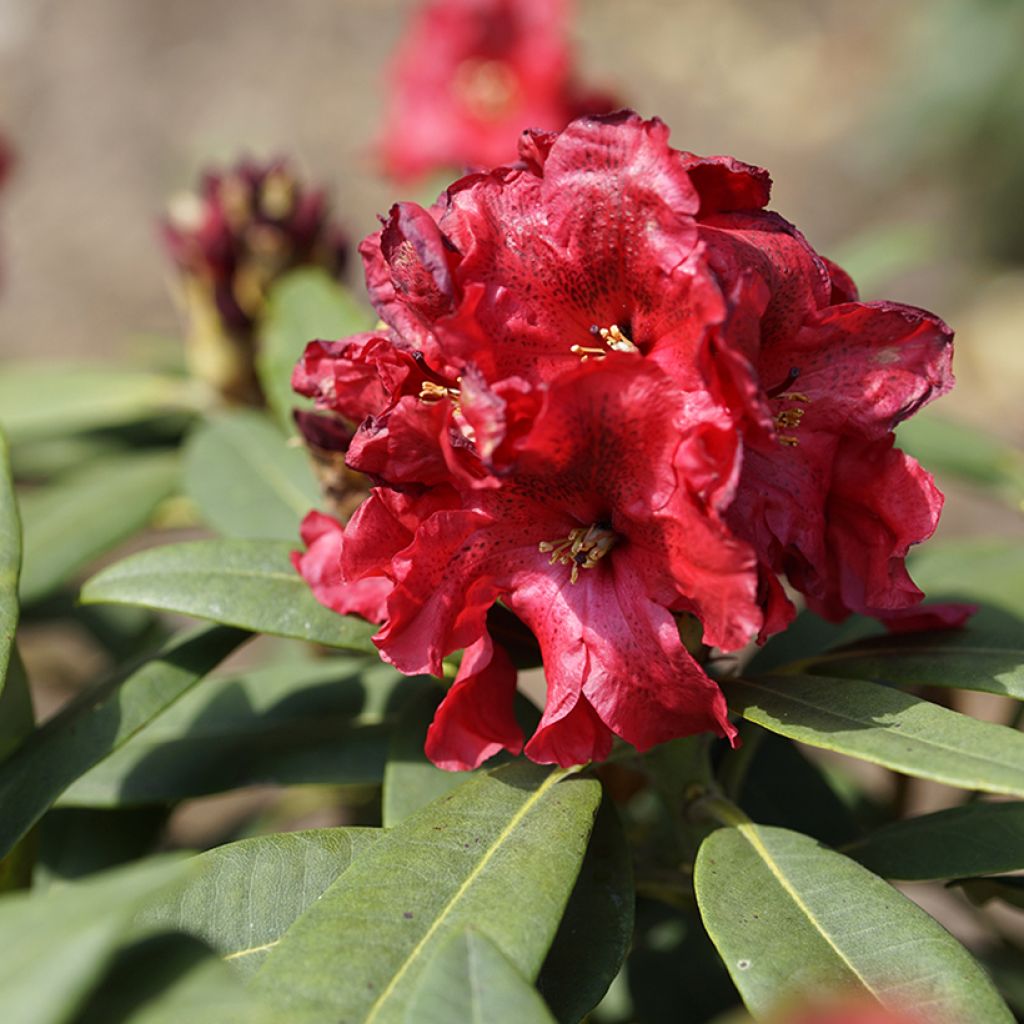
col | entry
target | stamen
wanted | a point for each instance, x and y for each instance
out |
(790, 419)
(582, 549)
(431, 392)
(611, 336)
(777, 391)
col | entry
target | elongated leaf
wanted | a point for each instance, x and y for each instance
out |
(981, 570)
(168, 979)
(322, 721)
(988, 655)
(410, 780)
(463, 861)
(792, 919)
(245, 583)
(46, 399)
(882, 725)
(97, 723)
(975, 839)
(247, 480)
(306, 305)
(241, 898)
(958, 450)
(471, 981)
(597, 927)
(10, 565)
(70, 523)
(57, 945)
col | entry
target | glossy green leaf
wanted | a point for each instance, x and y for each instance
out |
(597, 927)
(246, 479)
(168, 979)
(16, 715)
(955, 449)
(71, 522)
(974, 839)
(986, 655)
(57, 945)
(410, 780)
(980, 570)
(246, 583)
(320, 721)
(882, 725)
(10, 565)
(306, 305)
(793, 919)
(46, 399)
(242, 897)
(471, 981)
(97, 723)
(463, 861)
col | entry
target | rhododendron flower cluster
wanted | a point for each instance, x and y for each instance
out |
(611, 390)
(230, 240)
(470, 73)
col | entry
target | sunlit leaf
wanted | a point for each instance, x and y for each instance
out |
(242, 897)
(245, 583)
(974, 839)
(597, 928)
(471, 981)
(320, 721)
(306, 305)
(46, 399)
(879, 724)
(58, 944)
(10, 567)
(71, 522)
(464, 861)
(246, 479)
(97, 723)
(793, 919)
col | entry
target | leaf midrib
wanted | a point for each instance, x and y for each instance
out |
(447, 910)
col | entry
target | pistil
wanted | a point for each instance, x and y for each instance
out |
(582, 549)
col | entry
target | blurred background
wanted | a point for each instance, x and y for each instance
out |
(893, 133)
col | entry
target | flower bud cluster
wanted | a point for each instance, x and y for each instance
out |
(612, 392)
(230, 241)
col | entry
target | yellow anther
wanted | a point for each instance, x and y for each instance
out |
(613, 338)
(431, 392)
(582, 549)
(789, 419)
(788, 440)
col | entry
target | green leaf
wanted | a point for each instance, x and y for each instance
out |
(10, 565)
(463, 861)
(987, 655)
(975, 839)
(955, 449)
(792, 919)
(410, 780)
(884, 726)
(58, 944)
(471, 981)
(97, 723)
(71, 522)
(46, 400)
(779, 770)
(981, 570)
(245, 583)
(167, 979)
(16, 715)
(1008, 888)
(597, 927)
(321, 721)
(304, 306)
(246, 479)
(242, 897)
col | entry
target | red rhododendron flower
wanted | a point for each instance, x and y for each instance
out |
(231, 240)
(471, 74)
(613, 388)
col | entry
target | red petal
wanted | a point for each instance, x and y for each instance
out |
(476, 719)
